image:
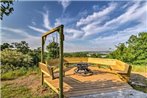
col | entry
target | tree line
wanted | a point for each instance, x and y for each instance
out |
(134, 51)
(19, 54)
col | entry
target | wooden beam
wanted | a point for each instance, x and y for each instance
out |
(51, 86)
(52, 31)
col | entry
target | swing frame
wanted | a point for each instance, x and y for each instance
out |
(58, 29)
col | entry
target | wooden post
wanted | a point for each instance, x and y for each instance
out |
(42, 59)
(61, 62)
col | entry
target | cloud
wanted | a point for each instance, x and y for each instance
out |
(136, 12)
(95, 7)
(96, 15)
(124, 17)
(34, 23)
(65, 4)
(120, 37)
(46, 23)
(126, 5)
(57, 22)
(133, 13)
(46, 20)
(37, 29)
(34, 41)
(83, 13)
(16, 31)
(67, 21)
(71, 33)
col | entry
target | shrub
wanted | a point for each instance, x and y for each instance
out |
(12, 59)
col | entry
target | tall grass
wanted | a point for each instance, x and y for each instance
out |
(19, 72)
(13, 91)
(139, 68)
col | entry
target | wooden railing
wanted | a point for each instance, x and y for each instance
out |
(116, 65)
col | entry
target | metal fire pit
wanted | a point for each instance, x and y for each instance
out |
(82, 68)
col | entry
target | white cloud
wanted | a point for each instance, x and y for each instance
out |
(73, 34)
(34, 41)
(46, 20)
(94, 27)
(121, 37)
(95, 7)
(46, 23)
(126, 5)
(83, 13)
(135, 12)
(58, 22)
(37, 29)
(16, 31)
(65, 20)
(124, 17)
(34, 23)
(96, 15)
(65, 4)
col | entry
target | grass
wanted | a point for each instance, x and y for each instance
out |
(140, 88)
(20, 91)
(14, 87)
(19, 72)
(139, 68)
(13, 91)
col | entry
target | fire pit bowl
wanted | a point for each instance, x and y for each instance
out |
(82, 68)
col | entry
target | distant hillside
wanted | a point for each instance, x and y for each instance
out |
(99, 52)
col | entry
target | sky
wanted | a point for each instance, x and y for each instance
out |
(88, 25)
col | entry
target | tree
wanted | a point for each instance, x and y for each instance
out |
(6, 8)
(36, 55)
(133, 51)
(22, 47)
(53, 50)
(5, 45)
(119, 52)
(138, 47)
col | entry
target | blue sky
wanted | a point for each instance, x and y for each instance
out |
(88, 26)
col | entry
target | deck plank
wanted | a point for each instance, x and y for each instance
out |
(103, 80)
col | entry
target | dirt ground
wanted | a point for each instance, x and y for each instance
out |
(33, 83)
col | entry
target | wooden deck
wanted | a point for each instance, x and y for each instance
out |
(103, 80)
